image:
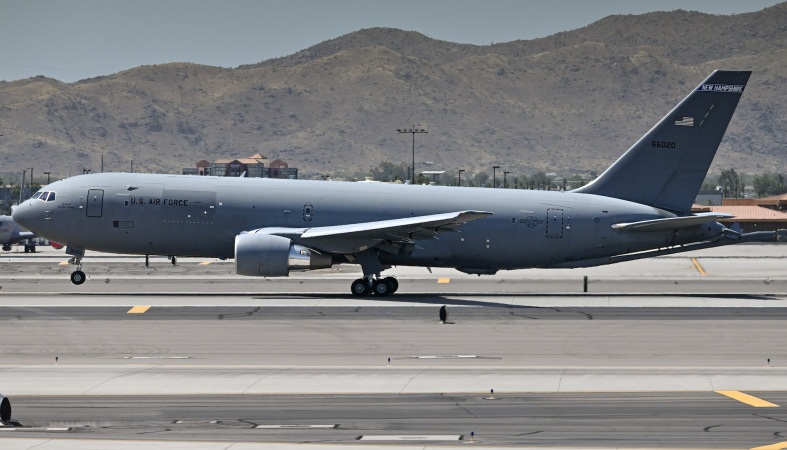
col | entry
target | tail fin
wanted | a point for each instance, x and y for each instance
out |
(666, 167)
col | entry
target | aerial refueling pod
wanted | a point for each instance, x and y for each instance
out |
(5, 409)
(267, 255)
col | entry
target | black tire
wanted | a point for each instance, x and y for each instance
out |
(393, 282)
(382, 288)
(360, 287)
(78, 277)
(6, 247)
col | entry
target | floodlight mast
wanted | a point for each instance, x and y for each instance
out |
(413, 131)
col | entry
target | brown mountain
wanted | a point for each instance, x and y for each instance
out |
(569, 102)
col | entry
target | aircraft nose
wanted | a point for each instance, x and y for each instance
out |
(26, 214)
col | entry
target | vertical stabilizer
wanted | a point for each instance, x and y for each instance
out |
(666, 167)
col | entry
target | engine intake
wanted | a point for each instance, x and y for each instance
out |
(266, 255)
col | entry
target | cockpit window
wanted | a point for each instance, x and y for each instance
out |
(45, 196)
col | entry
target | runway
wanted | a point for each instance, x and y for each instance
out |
(676, 420)
(746, 269)
(186, 355)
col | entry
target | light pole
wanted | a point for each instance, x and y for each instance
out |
(494, 177)
(504, 179)
(31, 180)
(413, 131)
(47, 176)
(22, 186)
(460, 177)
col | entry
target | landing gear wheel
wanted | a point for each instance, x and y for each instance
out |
(6, 247)
(393, 282)
(78, 277)
(382, 287)
(360, 287)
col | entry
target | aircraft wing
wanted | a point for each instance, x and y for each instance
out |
(390, 234)
(671, 223)
(406, 228)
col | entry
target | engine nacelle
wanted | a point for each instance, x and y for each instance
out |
(266, 255)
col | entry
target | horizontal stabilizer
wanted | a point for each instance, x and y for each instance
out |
(671, 223)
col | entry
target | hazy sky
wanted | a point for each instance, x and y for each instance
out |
(74, 39)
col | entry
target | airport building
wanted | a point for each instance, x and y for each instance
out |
(777, 202)
(750, 216)
(256, 166)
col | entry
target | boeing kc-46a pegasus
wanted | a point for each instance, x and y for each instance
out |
(638, 208)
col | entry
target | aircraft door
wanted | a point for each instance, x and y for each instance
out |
(554, 223)
(95, 202)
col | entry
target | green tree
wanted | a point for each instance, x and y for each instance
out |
(539, 181)
(576, 181)
(15, 188)
(388, 171)
(710, 182)
(731, 184)
(766, 184)
(481, 178)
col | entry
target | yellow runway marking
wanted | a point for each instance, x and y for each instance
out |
(64, 263)
(779, 446)
(443, 280)
(748, 399)
(698, 266)
(205, 263)
(138, 309)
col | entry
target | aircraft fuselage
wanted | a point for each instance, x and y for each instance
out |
(201, 216)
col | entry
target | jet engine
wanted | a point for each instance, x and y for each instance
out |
(266, 255)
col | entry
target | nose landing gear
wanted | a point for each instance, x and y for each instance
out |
(77, 277)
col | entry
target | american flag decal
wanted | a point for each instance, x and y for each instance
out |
(684, 121)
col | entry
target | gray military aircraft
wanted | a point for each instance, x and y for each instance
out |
(637, 208)
(11, 233)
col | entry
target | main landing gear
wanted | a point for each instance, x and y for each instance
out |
(363, 287)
